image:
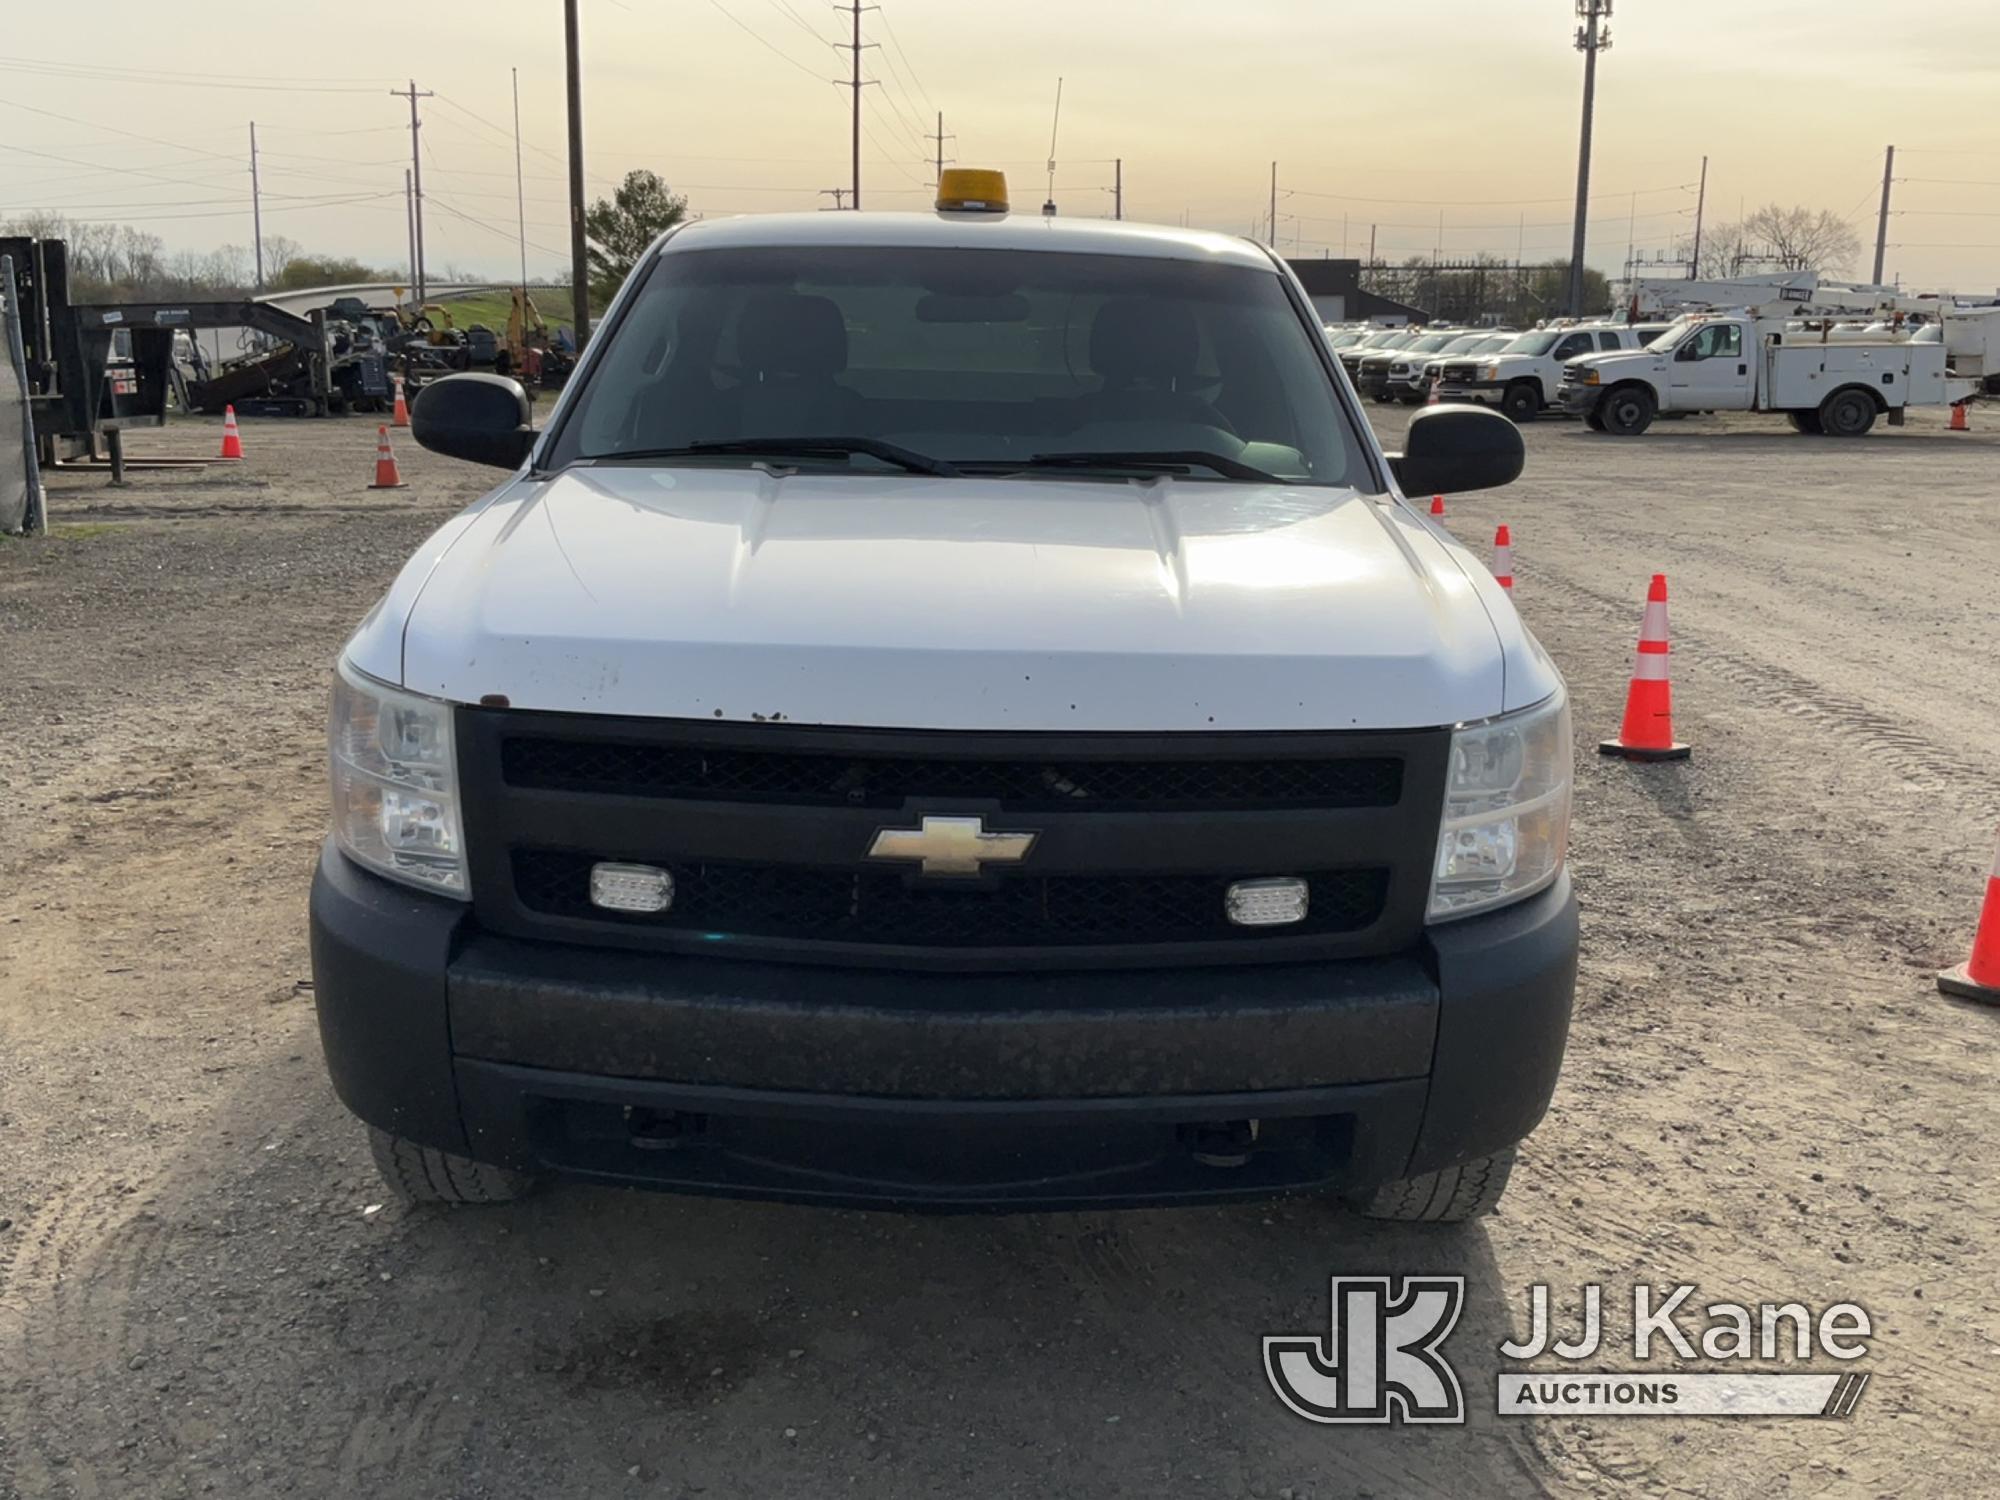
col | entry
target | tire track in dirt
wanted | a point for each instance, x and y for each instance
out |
(1913, 755)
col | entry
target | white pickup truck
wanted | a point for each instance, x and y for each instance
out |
(952, 709)
(1522, 379)
(1737, 362)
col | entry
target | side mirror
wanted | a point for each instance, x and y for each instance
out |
(485, 419)
(1450, 449)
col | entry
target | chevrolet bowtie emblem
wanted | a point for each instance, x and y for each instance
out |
(951, 846)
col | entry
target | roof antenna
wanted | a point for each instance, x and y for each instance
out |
(1049, 208)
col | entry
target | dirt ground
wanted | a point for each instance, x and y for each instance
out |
(1763, 1093)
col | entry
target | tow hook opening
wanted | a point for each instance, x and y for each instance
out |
(1221, 1143)
(662, 1129)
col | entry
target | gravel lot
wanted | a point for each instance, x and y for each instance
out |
(1763, 1093)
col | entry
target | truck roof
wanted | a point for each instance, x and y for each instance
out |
(971, 231)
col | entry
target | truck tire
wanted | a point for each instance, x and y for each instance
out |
(1848, 413)
(423, 1174)
(1522, 401)
(1804, 421)
(1450, 1196)
(1594, 418)
(1627, 410)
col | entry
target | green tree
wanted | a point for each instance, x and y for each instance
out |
(619, 229)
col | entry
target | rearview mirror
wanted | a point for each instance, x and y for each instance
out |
(484, 419)
(1450, 449)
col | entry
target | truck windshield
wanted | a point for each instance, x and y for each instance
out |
(999, 362)
(1540, 341)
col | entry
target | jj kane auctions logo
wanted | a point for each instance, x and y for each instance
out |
(1381, 1359)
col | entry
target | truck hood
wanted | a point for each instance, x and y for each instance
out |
(1621, 359)
(913, 602)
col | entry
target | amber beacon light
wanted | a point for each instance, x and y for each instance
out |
(972, 190)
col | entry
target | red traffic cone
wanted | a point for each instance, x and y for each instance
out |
(1958, 421)
(1503, 559)
(386, 476)
(401, 418)
(1978, 978)
(1437, 505)
(1648, 731)
(232, 440)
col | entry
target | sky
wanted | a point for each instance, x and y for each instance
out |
(1450, 122)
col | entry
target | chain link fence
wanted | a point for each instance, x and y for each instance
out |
(20, 476)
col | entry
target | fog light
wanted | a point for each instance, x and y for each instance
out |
(631, 888)
(1266, 903)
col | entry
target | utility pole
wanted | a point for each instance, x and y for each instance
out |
(1700, 202)
(1118, 187)
(1274, 205)
(1882, 224)
(1371, 244)
(413, 94)
(941, 138)
(855, 82)
(579, 257)
(1591, 39)
(410, 225)
(256, 208)
(839, 196)
(520, 193)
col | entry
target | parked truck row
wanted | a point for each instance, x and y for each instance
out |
(1832, 357)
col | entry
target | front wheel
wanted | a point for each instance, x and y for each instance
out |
(1627, 411)
(423, 1174)
(1594, 420)
(1523, 401)
(1847, 414)
(1450, 1196)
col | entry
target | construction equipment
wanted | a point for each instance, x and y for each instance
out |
(530, 352)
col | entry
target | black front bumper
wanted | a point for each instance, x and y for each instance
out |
(998, 1090)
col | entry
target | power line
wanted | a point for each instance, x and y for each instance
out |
(763, 41)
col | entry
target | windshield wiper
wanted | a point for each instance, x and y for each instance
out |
(1174, 460)
(795, 447)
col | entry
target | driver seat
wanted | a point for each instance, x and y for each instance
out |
(791, 347)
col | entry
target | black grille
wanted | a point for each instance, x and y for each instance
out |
(731, 774)
(774, 901)
(1461, 372)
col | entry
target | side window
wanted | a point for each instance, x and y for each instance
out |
(1719, 341)
(1607, 340)
(1575, 344)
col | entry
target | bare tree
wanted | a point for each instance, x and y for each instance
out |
(1804, 239)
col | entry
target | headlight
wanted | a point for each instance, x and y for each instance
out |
(395, 784)
(1589, 377)
(1506, 810)
(1492, 372)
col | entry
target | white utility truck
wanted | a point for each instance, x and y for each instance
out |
(952, 709)
(1783, 353)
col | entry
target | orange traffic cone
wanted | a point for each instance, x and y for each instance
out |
(1437, 505)
(1648, 731)
(401, 418)
(386, 476)
(1958, 421)
(1434, 394)
(232, 440)
(1503, 559)
(1978, 978)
